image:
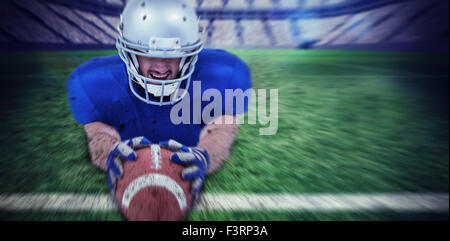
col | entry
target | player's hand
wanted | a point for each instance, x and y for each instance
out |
(195, 159)
(123, 150)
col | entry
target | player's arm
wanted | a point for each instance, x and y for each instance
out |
(217, 137)
(101, 138)
(210, 153)
(108, 151)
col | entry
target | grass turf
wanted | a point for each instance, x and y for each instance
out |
(349, 121)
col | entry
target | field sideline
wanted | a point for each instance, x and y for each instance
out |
(350, 122)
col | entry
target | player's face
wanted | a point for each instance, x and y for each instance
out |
(157, 68)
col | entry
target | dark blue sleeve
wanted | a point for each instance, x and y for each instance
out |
(240, 84)
(83, 109)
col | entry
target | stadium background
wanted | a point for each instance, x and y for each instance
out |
(363, 88)
(381, 24)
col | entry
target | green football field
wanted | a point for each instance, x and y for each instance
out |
(349, 122)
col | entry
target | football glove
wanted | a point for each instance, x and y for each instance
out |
(195, 160)
(123, 150)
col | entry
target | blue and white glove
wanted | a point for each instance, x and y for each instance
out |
(123, 150)
(196, 161)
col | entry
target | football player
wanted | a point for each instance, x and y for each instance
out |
(124, 101)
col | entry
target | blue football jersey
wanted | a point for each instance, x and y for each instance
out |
(98, 90)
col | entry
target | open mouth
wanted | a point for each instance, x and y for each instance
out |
(158, 76)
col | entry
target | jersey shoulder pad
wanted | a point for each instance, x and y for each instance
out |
(226, 68)
(94, 86)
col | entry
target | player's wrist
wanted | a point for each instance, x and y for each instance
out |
(99, 147)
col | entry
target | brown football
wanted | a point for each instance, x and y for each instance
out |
(152, 189)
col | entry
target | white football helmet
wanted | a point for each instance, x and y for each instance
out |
(159, 29)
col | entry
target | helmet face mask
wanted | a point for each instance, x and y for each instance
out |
(159, 29)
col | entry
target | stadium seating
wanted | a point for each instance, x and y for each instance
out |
(237, 23)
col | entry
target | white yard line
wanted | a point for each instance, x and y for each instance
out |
(55, 202)
(436, 202)
(402, 202)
